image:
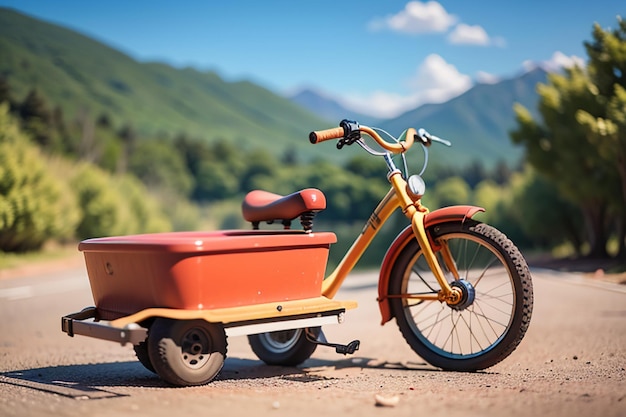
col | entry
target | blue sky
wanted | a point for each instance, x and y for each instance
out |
(379, 57)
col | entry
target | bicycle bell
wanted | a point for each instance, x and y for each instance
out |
(416, 186)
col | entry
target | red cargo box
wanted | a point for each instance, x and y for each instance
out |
(204, 270)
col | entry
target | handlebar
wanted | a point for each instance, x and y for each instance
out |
(326, 134)
(349, 132)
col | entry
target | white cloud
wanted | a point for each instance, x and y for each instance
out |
(431, 17)
(417, 17)
(435, 81)
(438, 77)
(473, 35)
(557, 62)
(466, 34)
(560, 60)
(379, 103)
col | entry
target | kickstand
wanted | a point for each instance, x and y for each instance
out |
(348, 349)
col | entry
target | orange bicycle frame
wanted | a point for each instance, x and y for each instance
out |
(420, 217)
(400, 197)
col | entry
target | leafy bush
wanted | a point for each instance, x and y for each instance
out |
(104, 213)
(146, 210)
(452, 191)
(159, 165)
(115, 205)
(34, 205)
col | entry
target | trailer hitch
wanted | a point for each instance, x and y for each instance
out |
(77, 323)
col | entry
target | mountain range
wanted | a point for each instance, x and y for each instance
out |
(85, 76)
(329, 108)
(477, 122)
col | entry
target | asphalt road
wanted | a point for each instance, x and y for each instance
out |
(571, 363)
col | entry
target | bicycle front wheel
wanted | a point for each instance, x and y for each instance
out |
(494, 314)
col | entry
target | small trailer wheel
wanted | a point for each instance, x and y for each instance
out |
(186, 352)
(141, 351)
(284, 347)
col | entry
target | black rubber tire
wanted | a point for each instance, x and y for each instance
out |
(486, 329)
(141, 351)
(186, 352)
(284, 347)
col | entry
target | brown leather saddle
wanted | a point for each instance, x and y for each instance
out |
(262, 206)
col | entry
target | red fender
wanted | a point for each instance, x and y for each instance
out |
(443, 215)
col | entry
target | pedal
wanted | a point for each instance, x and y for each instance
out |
(348, 349)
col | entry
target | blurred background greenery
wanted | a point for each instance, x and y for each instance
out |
(88, 150)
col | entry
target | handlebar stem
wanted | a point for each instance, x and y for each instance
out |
(390, 163)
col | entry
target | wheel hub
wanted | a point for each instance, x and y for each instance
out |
(195, 348)
(467, 294)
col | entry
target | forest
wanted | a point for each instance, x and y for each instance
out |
(67, 178)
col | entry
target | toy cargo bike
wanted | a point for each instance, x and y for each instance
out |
(459, 290)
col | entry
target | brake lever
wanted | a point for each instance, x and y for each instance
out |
(347, 141)
(427, 138)
(442, 141)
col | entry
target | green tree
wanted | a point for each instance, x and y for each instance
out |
(194, 152)
(579, 144)
(5, 94)
(37, 118)
(104, 210)
(261, 165)
(474, 173)
(35, 206)
(159, 165)
(367, 167)
(214, 181)
(452, 191)
(115, 204)
(559, 150)
(607, 58)
(290, 157)
(546, 218)
(128, 139)
(489, 196)
(232, 156)
(607, 69)
(111, 156)
(501, 173)
(147, 212)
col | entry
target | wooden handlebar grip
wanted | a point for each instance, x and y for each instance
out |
(327, 134)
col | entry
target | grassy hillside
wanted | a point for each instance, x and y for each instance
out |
(83, 75)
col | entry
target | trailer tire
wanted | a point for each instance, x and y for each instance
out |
(141, 351)
(186, 352)
(284, 347)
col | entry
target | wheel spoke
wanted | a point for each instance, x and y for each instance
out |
(472, 335)
(488, 321)
(415, 269)
(480, 277)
